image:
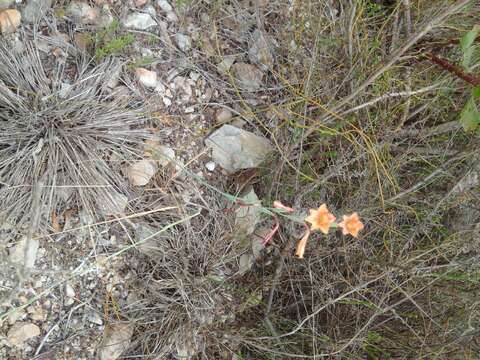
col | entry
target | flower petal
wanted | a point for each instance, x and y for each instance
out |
(302, 244)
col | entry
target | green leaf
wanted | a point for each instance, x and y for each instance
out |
(470, 117)
(467, 46)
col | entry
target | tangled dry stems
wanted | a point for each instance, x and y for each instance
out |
(63, 137)
(406, 289)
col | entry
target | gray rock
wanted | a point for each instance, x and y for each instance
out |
(35, 9)
(225, 65)
(235, 149)
(140, 21)
(260, 51)
(21, 332)
(165, 5)
(223, 115)
(83, 12)
(25, 252)
(183, 42)
(247, 217)
(95, 318)
(248, 76)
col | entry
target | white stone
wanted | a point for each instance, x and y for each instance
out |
(146, 77)
(69, 291)
(140, 21)
(140, 172)
(166, 101)
(210, 166)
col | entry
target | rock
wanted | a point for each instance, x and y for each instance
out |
(164, 155)
(248, 76)
(69, 301)
(235, 149)
(95, 318)
(9, 21)
(16, 315)
(183, 42)
(139, 21)
(140, 3)
(247, 217)
(183, 88)
(146, 77)
(140, 172)
(69, 291)
(226, 63)
(37, 313)
(83, 12)
(21, 332)
(5, 4)
(260, 51)
(164, 5)
(210, 166)
(223, 115)
(114, 79)
(22, 255)
(168, 9)
(35, 10)
(171, 16)
(116, 339)
(245, 263)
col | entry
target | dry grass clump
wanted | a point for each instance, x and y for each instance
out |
(63, 136)
(186, 298)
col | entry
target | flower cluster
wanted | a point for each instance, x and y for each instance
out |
(322, 219)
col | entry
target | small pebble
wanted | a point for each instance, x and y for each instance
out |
(210, 166)
(146, 77)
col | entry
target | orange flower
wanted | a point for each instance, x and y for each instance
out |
(302, 244)
(351, 225)
(321, 219)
